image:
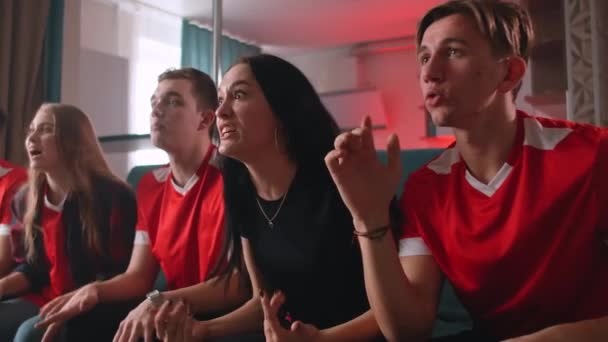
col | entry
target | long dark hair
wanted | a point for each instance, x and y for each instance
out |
(299, 111)
(309, 131)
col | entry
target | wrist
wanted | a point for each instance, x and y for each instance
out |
(200, 330)
(371, 223)
(155, 298)
(325, 335)
(373, 234)
(95, 289)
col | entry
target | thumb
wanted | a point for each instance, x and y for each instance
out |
(333, 160)
(302, 328)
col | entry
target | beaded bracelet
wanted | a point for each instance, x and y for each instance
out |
(374, 233)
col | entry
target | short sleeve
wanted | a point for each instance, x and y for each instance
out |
(142, 233)
(7, 192)
(411, 242)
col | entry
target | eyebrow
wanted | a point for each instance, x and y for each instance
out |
(445, 41)
(236, 84)
(170, 93)
(43, 124)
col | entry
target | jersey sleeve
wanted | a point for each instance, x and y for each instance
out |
(142, 228)
(8, 189)
(215, 235)
(142, 233)
(410, 241)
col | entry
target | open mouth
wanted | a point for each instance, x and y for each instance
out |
(433, 98)
(227, 131)
(35, 153)
(432, 95)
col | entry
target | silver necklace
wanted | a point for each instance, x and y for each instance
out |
(271, 219)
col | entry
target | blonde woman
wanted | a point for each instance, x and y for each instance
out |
(79, 224)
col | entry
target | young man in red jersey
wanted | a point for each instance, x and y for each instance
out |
(180, 228)
(11, 178)
(514, 214)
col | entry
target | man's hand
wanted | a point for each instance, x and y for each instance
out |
(365, 184)
(139, 323)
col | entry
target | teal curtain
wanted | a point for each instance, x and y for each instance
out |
(232, 49)
(53, 45)
(197, 45)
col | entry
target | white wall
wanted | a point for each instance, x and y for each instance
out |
(70, 68)
(113, 52)
(328, 69)
(394, 74)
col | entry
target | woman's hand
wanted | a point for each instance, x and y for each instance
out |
(274, 332)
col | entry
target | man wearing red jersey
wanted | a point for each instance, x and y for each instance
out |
(514, 214)
(180, 227)
(11, 177)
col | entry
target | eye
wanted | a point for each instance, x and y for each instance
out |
(174, 102)
(220, 100)
(452, 52)
(423, 59)
(238, 94)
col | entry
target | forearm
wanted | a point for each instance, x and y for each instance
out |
(248, 318)
(14, 284)
(588, 330)
(123, 287)
(400, 312)
(361, 328)
(217, 294)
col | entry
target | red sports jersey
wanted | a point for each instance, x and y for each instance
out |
(54, 247)
(11, 177)
(528, 250)
(184, 226)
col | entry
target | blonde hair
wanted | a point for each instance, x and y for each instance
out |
(82, 159)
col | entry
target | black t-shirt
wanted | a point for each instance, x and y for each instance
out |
(309, 253)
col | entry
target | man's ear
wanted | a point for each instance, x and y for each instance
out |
(207, 119)
(515, 69)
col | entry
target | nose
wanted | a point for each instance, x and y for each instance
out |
(30, 136)
(223, 110)
(433, 70)
(157, 111)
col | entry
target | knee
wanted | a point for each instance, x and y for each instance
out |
(27, 332)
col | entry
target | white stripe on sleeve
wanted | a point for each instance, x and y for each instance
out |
(141, 238)
(5, 229)
(413, 246)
